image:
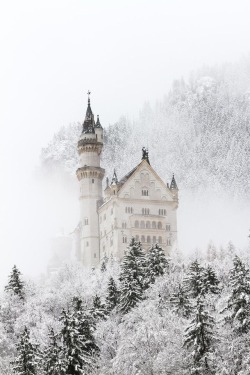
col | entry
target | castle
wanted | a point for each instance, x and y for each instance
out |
(139, 205)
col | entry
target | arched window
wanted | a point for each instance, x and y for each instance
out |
(124, 239)
(148, 226)
(137, 238)
(148, 239)
(153, 224)
(154, 239)
(159, 225)
(160, 239)
(142, 239)
(142, 224)
(136, 224)
(124, 225)
(86, 221)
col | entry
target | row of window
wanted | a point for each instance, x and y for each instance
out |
(148, 239)
(144, 193)
(148, 225)
(129, 210)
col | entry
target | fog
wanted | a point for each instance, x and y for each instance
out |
(127, 53)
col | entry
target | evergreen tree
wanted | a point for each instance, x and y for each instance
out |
(133, 276)
(157, 262)
(239, 300)
(112, 295)
(194, 281)
(79, 348)
(181, 303)
(199, 338)
(98, 310)
(52, 359)
(210, 281)
(15, 284)
(26, 361)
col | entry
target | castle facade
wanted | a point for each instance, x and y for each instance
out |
(139, 205)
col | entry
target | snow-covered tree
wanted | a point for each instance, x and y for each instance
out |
(133, 276)
(27, 360)
(238, 305)
(181, 302)
(157, 262)
(15, 284)
(79, 348)
(98, 311)
(112, 297)
(194, 281)
(52, 356)
(199, 338)
(210, 281)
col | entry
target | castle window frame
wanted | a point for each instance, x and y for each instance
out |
(124, 225)
(168, 241)
(86, 221)
(137, 237)
(148, 239)
(93, 180)
(94, 255)
(136, 224)
(124, 239)
(168, 227)
(159, 225)
(142, 224)
(160, 240)
(143, 239)
(87, 243)
(154, 239)
(148, 225)
(153, 225)
(144, 192)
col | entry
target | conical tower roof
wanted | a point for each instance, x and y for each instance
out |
(173, 184)
(89, 122)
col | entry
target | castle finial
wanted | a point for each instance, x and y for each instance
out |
(98, 124)
(89, 92)
(173, 184)
(114, 179)
(145, 154)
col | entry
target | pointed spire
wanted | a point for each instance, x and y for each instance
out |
(98, 124)
(114, 179)
(89, 122)
(145, 154)
(173, 184)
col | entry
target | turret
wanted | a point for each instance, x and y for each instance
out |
(90, 176)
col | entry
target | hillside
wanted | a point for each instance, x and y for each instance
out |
(199, 130)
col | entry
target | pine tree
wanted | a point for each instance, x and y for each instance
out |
(210, 281)
(15, 284)
(133, 276)
(112, 295)
(26, 361)
(98, 310)
(157, 262)
(52, 359)
(181, 303)
(194, 281)
(199, 338)
(239, 300)
(79, 348)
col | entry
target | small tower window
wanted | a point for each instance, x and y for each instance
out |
(94, 255)
(93, 180)
(124, 239)
(87, 244)
(86, 221)
(168, 242)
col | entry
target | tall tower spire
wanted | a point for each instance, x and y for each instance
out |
(90, 175)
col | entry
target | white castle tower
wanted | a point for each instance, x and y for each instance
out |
(90, 176)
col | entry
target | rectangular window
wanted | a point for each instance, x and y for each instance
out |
(168, 227)
(93, 181)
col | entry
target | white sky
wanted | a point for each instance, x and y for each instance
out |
(125, 52)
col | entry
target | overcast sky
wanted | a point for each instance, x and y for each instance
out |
(125, 52)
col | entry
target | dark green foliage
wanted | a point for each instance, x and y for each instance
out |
(181, 302)
(98, 310)
(133, 276)
(79, 348)
(112, 298)
(210, 281)
(193, 282)
(157, 262)
(15, 284)
(52, 358)
(199, 336)
(239, 300)
(26, 361)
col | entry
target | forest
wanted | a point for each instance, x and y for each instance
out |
(148, 314)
